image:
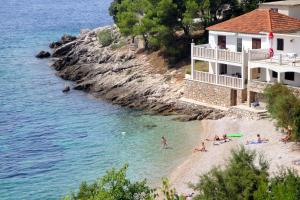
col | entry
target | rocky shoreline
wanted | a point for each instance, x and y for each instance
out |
(123, 74)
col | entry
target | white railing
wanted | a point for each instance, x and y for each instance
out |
(203, 52)
(206, 52)
(258, 54)
(204, 77)
(229, 81)
(229, 56)
(222, 80)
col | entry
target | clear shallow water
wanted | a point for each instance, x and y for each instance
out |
(50, 141)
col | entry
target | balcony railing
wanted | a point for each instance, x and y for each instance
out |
(205, 77)
(229, 56)
(206, 52)
(229, 81)
(258, 54)
(262, 55)
(222, 80)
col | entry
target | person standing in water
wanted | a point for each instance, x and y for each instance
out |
(163, 142)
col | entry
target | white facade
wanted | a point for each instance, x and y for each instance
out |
(231, 40)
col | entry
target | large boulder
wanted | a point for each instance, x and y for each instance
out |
(43, 54)
(64, 40)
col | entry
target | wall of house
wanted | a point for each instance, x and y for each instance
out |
(233, 69)
(291, 44)
(231, 40)
(263, 77)
(295, 83)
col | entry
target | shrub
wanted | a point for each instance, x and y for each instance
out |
(118, 45)
(284, 106)
(105, 37)
(113, 186)
(241, 179)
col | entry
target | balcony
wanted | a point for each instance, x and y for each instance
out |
(222, 80)
(205, 52)
(285, 62)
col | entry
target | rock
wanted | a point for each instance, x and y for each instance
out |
(64, 40)
(43, 54)
(123, 77)
(54, 45)
(66, 89)
(63, 50)
(67, 38)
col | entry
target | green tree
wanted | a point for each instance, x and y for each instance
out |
(114, 186)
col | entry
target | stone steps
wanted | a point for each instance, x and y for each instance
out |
(264, 115)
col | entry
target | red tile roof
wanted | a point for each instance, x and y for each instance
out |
(259, 20)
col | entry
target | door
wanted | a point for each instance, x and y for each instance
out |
(256, 43)
(223, 69)
(233, 98)
(222, 41)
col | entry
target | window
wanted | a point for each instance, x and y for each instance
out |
(274, 74)
(222, 42)
(239, 45)
(280, 44)
(289, 76)
(258, 70)
(256, 43)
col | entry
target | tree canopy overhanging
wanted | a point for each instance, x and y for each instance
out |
(170, 25)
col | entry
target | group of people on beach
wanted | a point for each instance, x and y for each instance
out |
(217, 140)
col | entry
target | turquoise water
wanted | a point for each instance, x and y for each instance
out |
(50, 141)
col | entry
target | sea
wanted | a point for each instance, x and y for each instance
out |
(50, 141)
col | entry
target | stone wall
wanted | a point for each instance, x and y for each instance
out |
(241, 96)
(258, 87)
(208, 93)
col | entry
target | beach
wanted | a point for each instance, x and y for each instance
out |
(277, 153)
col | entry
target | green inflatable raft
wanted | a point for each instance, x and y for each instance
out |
(234, 134)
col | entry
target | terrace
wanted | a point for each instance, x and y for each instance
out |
(207, 53)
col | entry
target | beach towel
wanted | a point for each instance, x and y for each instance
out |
(256, 142)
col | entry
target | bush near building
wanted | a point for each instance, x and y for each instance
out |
(284, 107)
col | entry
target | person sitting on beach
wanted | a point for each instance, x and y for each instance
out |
(261, 140)
(258, 141)
(202, 148)
(225, 138)
(163, 142)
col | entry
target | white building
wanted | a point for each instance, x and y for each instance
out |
(247, 53)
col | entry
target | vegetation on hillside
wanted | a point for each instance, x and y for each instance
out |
(284, 106)
(170, 25)
(240, 179)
